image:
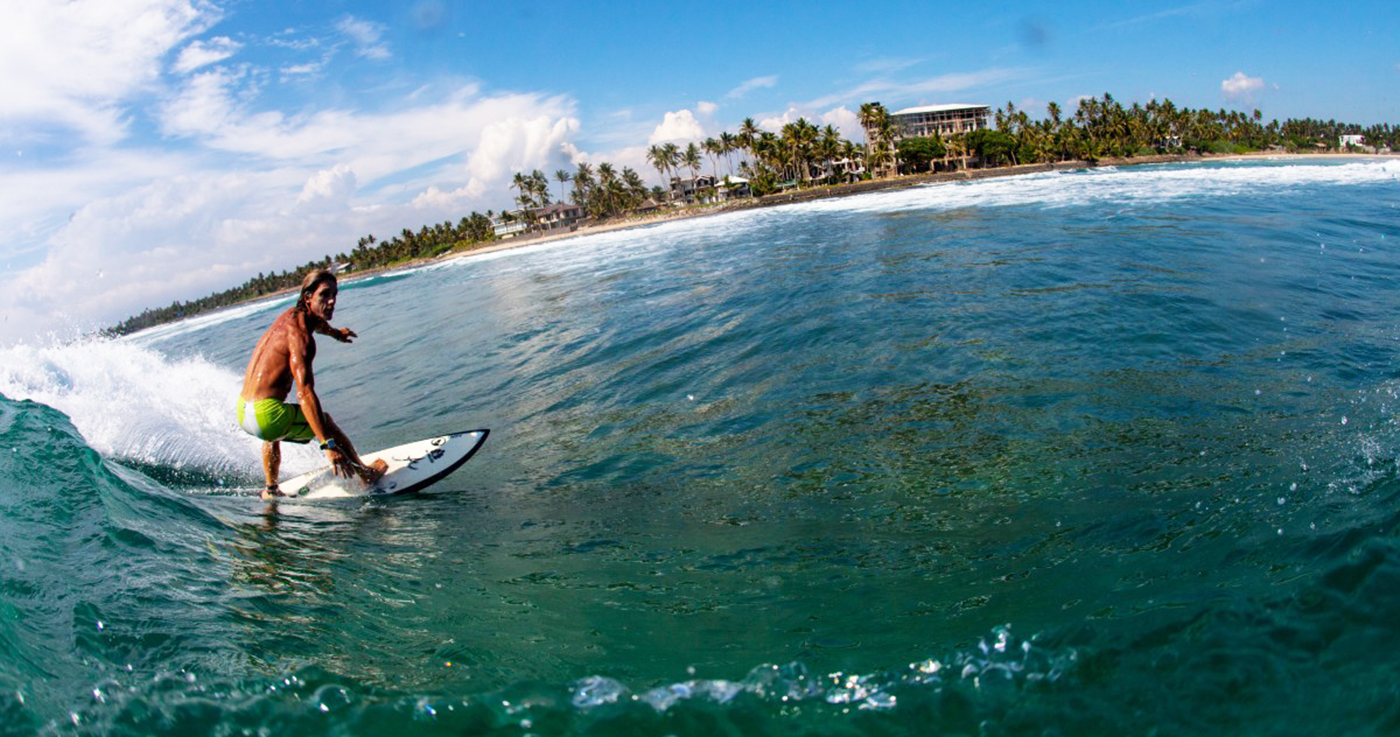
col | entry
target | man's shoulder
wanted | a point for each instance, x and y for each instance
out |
(291, 326)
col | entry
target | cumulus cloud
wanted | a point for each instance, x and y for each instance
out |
(844, 120)
(752, 84)
(366, 36)
(329, 185)
(516, 144)
(678, 126)
(76, 65)
(1241, 87)
(201, 54)
(160, 229)
(706, 109)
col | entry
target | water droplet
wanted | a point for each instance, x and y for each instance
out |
(1293, 486)
(1280, 531)
(1282, 501)
(1344, 419)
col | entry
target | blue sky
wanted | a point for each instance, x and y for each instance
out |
(156, 150)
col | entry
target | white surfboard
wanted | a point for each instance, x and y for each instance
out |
(412, 466)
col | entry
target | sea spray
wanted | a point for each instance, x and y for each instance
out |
(132, 403)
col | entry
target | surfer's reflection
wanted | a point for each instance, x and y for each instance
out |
(281, 559)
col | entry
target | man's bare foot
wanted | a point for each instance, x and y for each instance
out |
(271, 492)
(375, 471)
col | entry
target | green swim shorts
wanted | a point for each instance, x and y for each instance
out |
(273, 420)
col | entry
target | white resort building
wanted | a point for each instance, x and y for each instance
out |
(945, 120)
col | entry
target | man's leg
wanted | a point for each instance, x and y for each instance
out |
(369, 474)
(272, 465)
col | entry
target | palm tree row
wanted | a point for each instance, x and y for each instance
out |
(1103, 127)
(802, 155)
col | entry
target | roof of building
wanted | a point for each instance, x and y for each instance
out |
(555, 207)
(939, 109)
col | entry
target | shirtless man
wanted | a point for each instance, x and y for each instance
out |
(283, 355)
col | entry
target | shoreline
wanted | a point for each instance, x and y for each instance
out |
(849, 190)
(809, 195)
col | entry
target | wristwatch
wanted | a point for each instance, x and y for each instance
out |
(329, 444)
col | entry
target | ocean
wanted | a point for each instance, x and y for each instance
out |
(1100, 452)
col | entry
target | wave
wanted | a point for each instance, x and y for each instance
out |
(102, 570)
(980, 682)
(132, 403)
(1147, 184)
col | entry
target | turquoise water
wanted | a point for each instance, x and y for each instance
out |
(1107, 452)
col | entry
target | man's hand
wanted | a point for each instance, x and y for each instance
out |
(340, 464)
(343, 334)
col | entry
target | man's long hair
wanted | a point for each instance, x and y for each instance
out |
(312, 280)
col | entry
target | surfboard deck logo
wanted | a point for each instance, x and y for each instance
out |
(412, 466)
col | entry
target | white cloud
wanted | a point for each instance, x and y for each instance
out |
(885, 65)
(513, 144)
(1192, 10)
(76, 64)
(706, 109)
(846, 121)
(366, 36)
(1241, 87)
(678, 126)
(752, 84)
(200, 54)
(329, 185)
(160, 228)
(916, 89)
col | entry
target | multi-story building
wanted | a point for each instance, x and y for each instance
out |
(945, 120)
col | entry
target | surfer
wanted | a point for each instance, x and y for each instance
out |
(284, 355)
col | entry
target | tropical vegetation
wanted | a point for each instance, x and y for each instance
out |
(802, 155)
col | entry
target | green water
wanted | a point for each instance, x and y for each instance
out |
(1093, 453)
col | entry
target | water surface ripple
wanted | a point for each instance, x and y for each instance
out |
(1100, 452)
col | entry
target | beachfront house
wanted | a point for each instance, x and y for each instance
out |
(940, 120)
(733, 188)
(558, 216)
(687, 189)
(840, 170)
(1351, 141)
(510, 224)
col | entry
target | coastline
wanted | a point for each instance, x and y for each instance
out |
(857, 188)
(819, 193)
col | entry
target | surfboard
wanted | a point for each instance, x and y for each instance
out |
(412, 466)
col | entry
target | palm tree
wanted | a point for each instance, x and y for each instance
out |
(607, 186)
(656, 156)
(728, 142)
(564, 177)
(583, 184)
(672, 152)
(539, 186)
(713, 149)
(525, 186)
(748, 137)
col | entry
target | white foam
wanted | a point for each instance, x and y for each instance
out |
(1110, 185)
(133, 403)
